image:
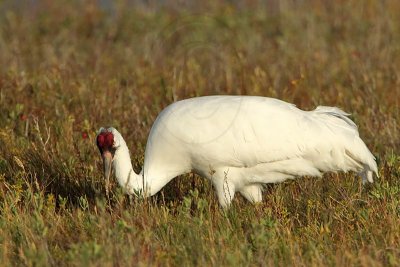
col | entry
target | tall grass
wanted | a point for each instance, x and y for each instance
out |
(69, 67)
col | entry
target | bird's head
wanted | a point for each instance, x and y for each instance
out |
(108, 140)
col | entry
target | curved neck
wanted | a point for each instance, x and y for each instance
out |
(133, 183)
(126, 176)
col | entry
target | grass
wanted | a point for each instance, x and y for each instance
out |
(69, 67)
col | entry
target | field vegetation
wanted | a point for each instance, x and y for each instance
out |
(70, 67)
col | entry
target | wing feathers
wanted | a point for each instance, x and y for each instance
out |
(336, 112)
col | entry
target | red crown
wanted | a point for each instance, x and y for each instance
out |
(105, 140)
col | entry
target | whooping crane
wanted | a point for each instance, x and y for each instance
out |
(239, 143)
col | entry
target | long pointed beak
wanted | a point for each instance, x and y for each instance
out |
(107, 160)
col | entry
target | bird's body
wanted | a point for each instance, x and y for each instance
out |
(243, 142)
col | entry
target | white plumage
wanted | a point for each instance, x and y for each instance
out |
(240, 143)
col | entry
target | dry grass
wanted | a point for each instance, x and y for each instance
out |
(69, 67)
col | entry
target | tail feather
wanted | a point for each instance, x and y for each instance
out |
(336, 112)
(364, 158)
(357, 154)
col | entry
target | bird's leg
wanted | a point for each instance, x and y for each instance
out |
(225, 189)
(252, 193)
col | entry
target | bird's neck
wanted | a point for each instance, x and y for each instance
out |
(126, 176)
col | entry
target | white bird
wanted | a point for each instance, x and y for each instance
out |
(239, 143)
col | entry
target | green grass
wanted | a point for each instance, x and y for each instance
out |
(69, 67)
